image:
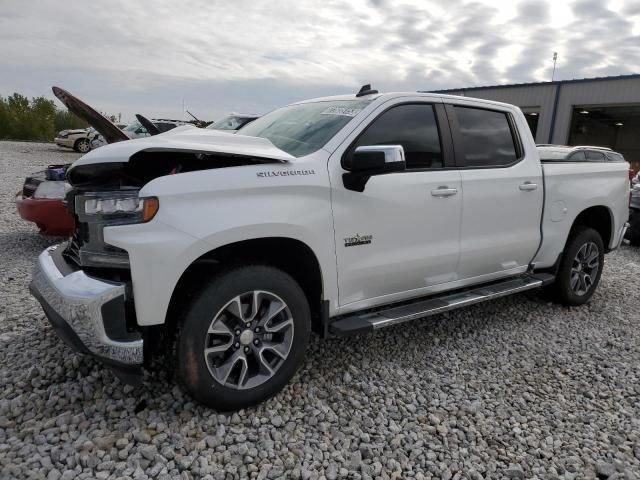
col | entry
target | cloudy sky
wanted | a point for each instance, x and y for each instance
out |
(251, 56)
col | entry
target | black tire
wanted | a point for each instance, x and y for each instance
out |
(194, 371)
(82, 145)
(570, 266)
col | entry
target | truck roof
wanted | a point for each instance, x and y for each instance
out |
(391, 95)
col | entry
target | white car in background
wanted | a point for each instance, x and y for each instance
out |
(137, 130)
(76, 139)
(233, 122)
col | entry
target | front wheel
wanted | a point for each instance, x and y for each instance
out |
(580, 267)
(243, 338)
(82, 145)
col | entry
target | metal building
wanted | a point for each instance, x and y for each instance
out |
(603, 111)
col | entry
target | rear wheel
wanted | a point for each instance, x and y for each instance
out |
(243, 338)
(580, 267)
(82, 145)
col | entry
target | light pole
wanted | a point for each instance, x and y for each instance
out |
(555, 58)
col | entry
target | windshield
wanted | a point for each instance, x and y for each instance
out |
(304, 128)
(133, 126)
(230, 122)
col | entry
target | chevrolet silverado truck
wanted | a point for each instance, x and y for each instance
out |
(338, 215)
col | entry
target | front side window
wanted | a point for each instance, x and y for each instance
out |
(303, 128)
(412, 126)
(486, 136)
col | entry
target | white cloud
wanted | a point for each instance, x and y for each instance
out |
(118, 52)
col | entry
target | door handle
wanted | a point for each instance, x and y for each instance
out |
(528, 186)
(444, 191)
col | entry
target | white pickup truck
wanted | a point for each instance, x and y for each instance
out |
(337, 215)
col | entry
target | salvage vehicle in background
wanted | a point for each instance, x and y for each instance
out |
(75, 139)
(42, 197)
(233, 122)
(341, 215)
(633, 233)
(41, 201)
(142, 127)
(580, 153)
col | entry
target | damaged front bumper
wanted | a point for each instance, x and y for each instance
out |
(87, 313)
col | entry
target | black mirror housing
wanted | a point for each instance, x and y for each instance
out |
(367, 161)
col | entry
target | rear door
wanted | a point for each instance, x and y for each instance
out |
(503, 192)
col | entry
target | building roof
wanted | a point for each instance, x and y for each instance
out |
(535, 84)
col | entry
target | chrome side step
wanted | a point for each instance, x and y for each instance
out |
(362, 322)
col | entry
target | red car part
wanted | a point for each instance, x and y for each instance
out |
(49, 214)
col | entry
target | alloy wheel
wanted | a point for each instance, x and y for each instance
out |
(84, 146)
(584, 269)
(249, 339)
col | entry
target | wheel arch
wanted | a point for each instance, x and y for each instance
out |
(598, 217)
(291, 255)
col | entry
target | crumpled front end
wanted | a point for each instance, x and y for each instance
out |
(87, 313)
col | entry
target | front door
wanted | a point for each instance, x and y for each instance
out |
(400, 236)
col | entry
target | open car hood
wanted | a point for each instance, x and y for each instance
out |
(103, 125)
(188, 139)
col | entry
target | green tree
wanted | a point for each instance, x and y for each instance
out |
(35, 119)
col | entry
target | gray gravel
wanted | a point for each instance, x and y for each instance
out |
(517, 388)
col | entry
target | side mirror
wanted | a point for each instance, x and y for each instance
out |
(376, 158)
(367, 161)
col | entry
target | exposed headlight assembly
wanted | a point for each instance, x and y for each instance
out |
(52, 189)
(131, 208)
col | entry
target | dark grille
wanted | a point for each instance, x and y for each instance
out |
(79, 238)
(72, 251)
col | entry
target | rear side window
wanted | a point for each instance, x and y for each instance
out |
(615, 157)
(412, 126)
(594, 156)
(487, 139)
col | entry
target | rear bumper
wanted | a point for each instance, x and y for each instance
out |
(49, 214)
(87, 313)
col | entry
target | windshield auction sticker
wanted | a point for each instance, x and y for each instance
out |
(344, 111)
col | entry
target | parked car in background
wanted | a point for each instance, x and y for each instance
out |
(233, 122)
(42, 201)
(579, 153)
(633, 233)
(136, 130)
(341, 215)
(75, 139)
(42, 197)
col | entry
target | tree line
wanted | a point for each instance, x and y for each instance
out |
(35, 119)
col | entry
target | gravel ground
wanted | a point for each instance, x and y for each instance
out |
(516, 388)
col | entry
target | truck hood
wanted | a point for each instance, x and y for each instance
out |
(103, 125)
(188, 139)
